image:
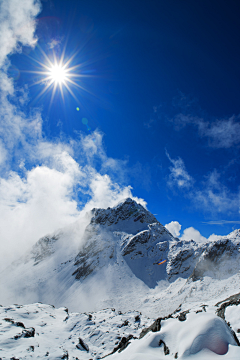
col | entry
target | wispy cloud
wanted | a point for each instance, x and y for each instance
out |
(178, 174)
(210, 195)
(215, 196)
(149, 124)
(221, 222)
(54, 43)
(221, 133)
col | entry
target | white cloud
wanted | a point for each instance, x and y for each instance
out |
(17, 25)
(189, 233)
(44, 201)
(54, 43)
(193, 234)
(174, 227)
(33, 206)
(105, 193)
(214, 237)
(178, 174)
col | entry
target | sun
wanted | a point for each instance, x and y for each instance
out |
(58, 74)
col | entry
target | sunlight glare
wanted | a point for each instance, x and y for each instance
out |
(58, 74)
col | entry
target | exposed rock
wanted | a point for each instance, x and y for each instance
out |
(26, 333)
(123, 343)
(165, 348)
(182, 315)
(156, 326)
(137, 318)
(65, 355)
(82, 345)
(82, 271)
(9, 320)
(232, 300)
(125, 323)
(19, 323)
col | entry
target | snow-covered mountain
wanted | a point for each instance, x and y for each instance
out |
(109, 259)
(111, 255)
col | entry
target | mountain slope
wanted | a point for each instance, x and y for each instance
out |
(110, 259)
(40, 331)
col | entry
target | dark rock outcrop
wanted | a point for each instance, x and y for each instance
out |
(82, 345)
(165, 348)
(26, 333)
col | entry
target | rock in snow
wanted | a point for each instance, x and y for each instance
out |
(189, 305)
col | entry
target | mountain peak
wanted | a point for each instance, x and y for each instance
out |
(127, 210)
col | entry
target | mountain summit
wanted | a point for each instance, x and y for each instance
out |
(128, 234)
(127, 211)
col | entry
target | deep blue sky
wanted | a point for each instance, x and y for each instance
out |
(164, 85)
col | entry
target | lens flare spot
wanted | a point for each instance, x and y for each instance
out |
(77, 108)
(85, 121)
(161, 262)
(13, 72)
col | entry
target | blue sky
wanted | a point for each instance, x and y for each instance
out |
(159, 86)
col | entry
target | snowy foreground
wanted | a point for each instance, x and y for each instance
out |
(40, 331)
(186, 308)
